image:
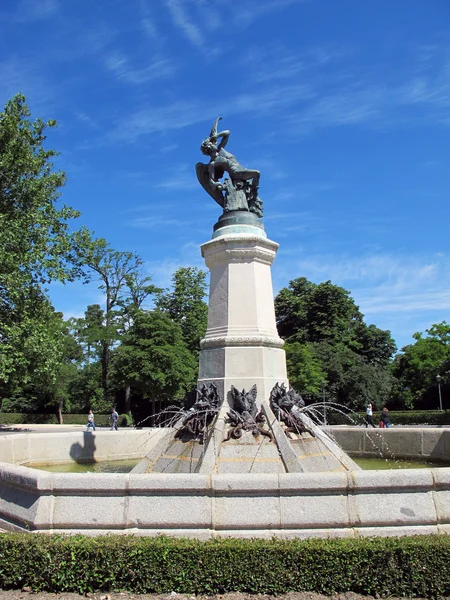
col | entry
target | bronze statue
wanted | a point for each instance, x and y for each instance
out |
(196, 420)
(287, 405)
(244, 415)
(240, 191)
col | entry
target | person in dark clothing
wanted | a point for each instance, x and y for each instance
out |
(114, 419)
(385, 418)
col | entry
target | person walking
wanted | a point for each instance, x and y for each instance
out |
(369, 415)
(385, 418)
(114, 419)
(90, 422)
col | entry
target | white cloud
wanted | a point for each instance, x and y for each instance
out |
(401, 293)
(157, 68)
(162, 271)
(183, 22)
(23, 75)
(36, 10)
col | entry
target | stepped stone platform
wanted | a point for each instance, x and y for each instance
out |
(305, 453)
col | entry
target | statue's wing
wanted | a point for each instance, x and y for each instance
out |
(275, 395)
(203, 177)
(249, 400)
(238, 402)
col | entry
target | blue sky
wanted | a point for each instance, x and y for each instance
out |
(344, 107)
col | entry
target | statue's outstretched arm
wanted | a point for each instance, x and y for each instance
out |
(225, 134)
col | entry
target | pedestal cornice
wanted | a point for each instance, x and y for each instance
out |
(242, 340)
(239, 248)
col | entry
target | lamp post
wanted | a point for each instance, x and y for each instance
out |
(324, 404)
(438, 379)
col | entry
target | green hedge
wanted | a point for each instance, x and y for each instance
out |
(50, 419)
(418, 417)
(410, 417)
(414, 566)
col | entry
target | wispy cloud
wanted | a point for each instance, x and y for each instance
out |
(187, 256)
(181, 181)
(32, 10)
(254, 9)
(183, 113)
(158, 68)
(154, 222)
(384, 282)
(148, 22)
(274, 62)
(19, 75)
(183, 21)
(398, 292)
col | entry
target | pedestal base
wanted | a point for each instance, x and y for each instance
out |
(241, 346)
(243, 366)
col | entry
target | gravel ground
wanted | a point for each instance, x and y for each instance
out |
(27, 595)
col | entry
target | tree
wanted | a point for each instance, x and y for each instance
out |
(89, 331)
(327, 338)
(304, 368)
(50, 357)
(185, 305)
(418, 364)
(154, 360)
(114, 270)
(312, 312)
(36, 246)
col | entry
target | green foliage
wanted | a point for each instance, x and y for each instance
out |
(409, 417)
(120, 278)
(13, 418)
(86, 391)
(382, 567)
(417, 366)
(153, 358)
(314, 313)
(17, 418)
(125, 420)
(186, 306)
(36, 248)
(304, 368)
(327, 340)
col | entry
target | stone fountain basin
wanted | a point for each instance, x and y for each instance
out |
(285, 505)
(425, 443)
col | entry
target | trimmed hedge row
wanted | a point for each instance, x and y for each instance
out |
(50, 419)
(417, 417)
(414, 566)
(410, 417)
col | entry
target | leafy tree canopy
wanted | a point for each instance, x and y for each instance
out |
(418, 364)
(153, 358)
(185, 305)
(36, 246)
(328, 340)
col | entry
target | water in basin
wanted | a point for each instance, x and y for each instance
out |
(372, 464)
(113, 466)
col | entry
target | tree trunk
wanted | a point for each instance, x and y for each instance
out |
(127, 405)
(105, 351)
(60, 408)
(152, 420)
(105, 345)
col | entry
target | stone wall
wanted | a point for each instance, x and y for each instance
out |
(359, 503)
(82, 446)
(411, 443)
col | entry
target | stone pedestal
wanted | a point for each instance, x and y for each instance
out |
(241, 346)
